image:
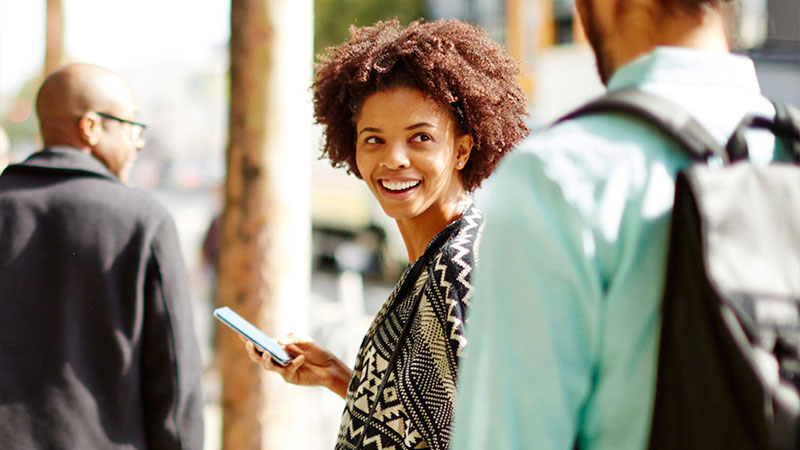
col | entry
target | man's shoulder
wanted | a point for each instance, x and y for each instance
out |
(592, 146)
(140, 200)
(117, 196)
(583, 162)
(601, 131)
(78, 190)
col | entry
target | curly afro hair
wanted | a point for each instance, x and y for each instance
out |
(454, 63)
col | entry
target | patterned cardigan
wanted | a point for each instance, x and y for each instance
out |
(416, 406)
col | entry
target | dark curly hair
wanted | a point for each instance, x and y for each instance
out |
(454, 63)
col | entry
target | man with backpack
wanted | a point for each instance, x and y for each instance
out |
(565, 325)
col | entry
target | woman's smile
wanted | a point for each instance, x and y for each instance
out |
(398, 188)
(395, 186)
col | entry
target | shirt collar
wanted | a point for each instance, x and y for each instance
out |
(681, 65)
(70, 159)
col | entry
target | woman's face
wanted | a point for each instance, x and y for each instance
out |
(409, 153)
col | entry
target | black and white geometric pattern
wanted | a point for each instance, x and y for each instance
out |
(416, 407)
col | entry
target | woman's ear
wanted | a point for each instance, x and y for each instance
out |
(90, 128)
(464, 145)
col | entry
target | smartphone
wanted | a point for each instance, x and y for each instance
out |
(262, 342)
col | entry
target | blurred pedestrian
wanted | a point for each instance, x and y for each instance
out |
(422, 114)
(97, 347)
(565, 323)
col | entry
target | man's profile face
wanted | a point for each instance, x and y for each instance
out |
(118, 144)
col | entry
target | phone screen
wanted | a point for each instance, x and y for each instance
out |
(263, 342)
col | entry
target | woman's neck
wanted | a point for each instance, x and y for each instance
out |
(419, 231)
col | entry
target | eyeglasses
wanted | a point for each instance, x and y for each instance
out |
(137, 128)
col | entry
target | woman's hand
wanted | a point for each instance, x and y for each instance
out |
(312, 365)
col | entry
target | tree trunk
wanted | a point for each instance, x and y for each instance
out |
(523, 41)
(54, 36)
(265, 242)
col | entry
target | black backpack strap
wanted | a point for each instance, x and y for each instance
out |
(670, 118)
(785, 126)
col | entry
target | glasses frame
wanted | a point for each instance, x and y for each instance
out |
(142, 126)
(120, 119)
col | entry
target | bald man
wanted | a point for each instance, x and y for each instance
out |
(97, 347)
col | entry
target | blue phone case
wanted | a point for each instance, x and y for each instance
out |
(263, 342)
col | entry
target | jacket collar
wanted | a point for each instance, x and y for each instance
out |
(66, 159)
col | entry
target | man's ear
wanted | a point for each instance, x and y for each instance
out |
(464, 145)
(90, 128)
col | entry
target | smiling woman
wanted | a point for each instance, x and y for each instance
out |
(409, 153)
(422, 114)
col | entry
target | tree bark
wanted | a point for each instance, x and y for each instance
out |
(54, 37)
(522, 42)
(265, 242)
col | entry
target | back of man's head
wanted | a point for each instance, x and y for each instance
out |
(690, 5)
(76, 105)
(73, 90)
(621, 30)
(730, 10)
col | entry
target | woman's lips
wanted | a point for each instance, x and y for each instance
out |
(398, 187)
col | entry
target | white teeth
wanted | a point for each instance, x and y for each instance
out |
(398, 185)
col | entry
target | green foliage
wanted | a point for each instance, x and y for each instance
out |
(332, 18)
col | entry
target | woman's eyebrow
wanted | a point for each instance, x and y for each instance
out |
(369, 129)
(419, 125)
(410, 127)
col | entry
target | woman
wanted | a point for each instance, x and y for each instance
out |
(422, 114)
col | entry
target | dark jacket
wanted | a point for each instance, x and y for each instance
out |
(97, 347)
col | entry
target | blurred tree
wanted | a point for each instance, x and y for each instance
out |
(54, 46)
(243, 254)
(332, 18)
(265, 232)
(18, 116)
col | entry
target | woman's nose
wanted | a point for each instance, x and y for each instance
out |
(396, 157)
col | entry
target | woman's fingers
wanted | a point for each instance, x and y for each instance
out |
(260, 357)
(252, 353)
(290, 371)
(266, 362)
(291, 339)
(294, 349)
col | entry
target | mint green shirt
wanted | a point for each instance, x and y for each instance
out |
(563, 329)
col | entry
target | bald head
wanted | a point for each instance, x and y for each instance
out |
(93, 110)
(73, 90)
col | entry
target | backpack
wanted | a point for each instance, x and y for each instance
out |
(729, 353)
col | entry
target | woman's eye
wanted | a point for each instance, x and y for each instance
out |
(421, 138)
(373, 140)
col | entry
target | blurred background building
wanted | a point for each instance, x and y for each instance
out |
(176, 56)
